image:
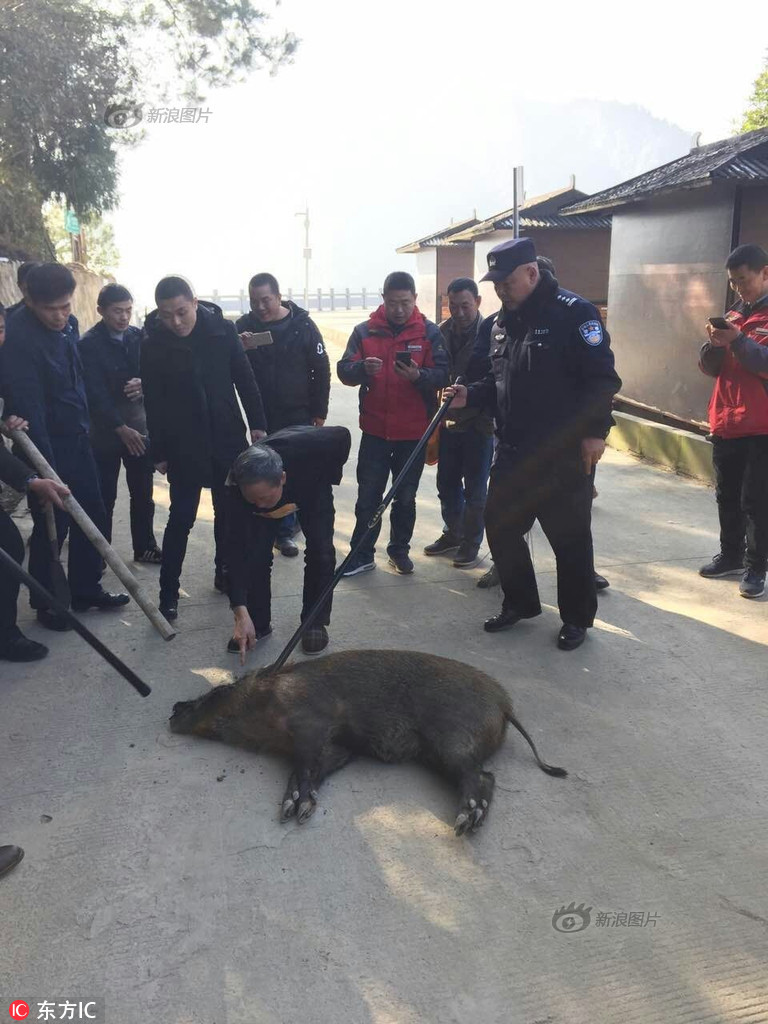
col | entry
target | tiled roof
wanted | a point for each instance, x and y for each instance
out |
(739, 158)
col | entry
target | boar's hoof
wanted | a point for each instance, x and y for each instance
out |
(307, 806)
(471, 817)
(288, 810)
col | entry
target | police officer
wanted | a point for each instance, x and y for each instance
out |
(551, 375)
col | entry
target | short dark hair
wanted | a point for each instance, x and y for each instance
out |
(173, 287)
(112, 293)
(259, 280)
(23, 270)
(49, 281)
(752, 256)
(463, 284)
(399, 281)
(259, 462)
(545, 263)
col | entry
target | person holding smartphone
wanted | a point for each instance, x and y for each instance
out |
(736, 355)
(398, 360)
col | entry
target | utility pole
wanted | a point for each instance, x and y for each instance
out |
(307, 252)
(517, 199)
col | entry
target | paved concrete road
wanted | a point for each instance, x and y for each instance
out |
(158, 878)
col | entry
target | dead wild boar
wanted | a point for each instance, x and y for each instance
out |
(391, 705)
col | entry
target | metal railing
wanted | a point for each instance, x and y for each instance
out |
(317, 301)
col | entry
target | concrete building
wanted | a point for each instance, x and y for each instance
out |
(578, 245)
(673, 228)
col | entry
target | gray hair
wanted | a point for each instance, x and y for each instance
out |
(259, 462)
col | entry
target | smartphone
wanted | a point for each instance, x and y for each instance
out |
(720, 323)
(257, 340)
(404, 358)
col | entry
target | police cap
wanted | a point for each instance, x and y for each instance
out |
(508, 256)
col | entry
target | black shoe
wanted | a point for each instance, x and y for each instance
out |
(221, 581)
(753, 584)
(506, 618)
(571, 637)
(445, 543)
(355, 568)
(489, 579)
(152, 556)
(401, 564)
(50, 620)
(722, 565)
(286, 547)
(466, 557)
(261, 634)
(101, 600)
(19, 648)
(169, 610)
(10, 856)
(315, 640)
(601, 583)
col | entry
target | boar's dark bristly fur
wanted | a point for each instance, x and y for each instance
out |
(391, 705)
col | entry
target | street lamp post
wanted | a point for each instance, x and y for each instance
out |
(307, 252)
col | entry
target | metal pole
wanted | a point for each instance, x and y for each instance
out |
(435, 423)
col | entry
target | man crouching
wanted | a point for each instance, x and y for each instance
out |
(292, 470)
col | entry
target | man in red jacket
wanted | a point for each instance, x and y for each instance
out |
(737, 357)
(398, 359)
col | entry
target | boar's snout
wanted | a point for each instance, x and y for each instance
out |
(180, 720)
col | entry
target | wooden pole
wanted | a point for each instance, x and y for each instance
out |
(102, 545)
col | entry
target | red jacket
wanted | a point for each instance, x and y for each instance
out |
(392, 407)
(739, 403)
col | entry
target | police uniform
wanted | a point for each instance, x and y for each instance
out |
(549, 373)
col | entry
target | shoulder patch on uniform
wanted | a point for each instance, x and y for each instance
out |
(591, 332)
(567, 299)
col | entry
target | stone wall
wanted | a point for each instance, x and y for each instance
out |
(89, 285)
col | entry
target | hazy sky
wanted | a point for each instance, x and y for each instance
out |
(397, 117)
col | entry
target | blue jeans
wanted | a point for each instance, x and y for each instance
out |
(462, 482)
(376, 459)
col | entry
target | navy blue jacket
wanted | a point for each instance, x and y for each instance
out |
(547, 370)
(43, 380)
(108, 365)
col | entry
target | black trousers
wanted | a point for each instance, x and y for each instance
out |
(185, 498)
(11, 542)
(316, 518)
(558, 493)
(75, 465)
(741, 474)
(139, 476)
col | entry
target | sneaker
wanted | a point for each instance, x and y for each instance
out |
(445, 542)
(401, 564)
(489, 579)
(152, 556)
(357, 567)
(169, 610)
(101, 600)
(315, 640)
(466, 557)
(722, 565)
(261, 634)
(752, 584)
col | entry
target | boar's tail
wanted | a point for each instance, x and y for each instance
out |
(548, 768)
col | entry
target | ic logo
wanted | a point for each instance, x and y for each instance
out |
(19, 1010)
(571, 919)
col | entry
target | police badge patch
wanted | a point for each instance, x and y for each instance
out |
(592, 332)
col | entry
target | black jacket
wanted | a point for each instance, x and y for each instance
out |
(293, 373)
(548, 366)
(460, 348)
(189, 385)
(108, 365)
(313, 458)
